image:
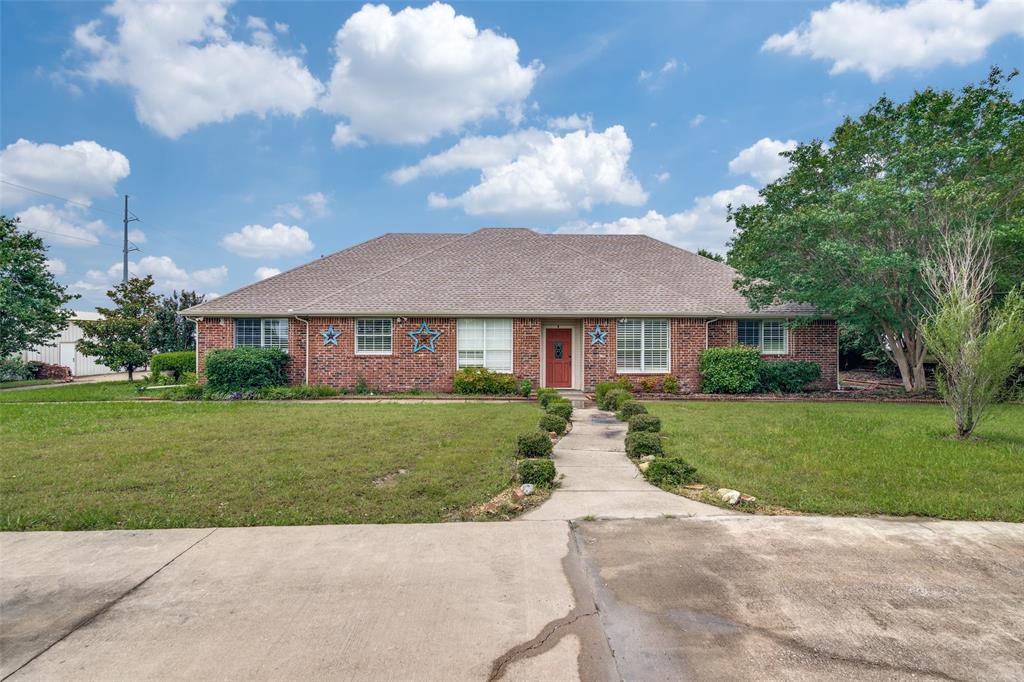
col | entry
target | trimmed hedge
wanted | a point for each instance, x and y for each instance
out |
(671, 384)
(525, 388)
(552, 422)
(482, 381)
(787, 376)
(602, 388)
(670, 471)
(546, 395)
(539, 472)
(644, 422)
(630, 408)
(560, 407)
(240, 369)
(535, 444)
(175, 364)
(730, 369)
(611, 399)
(641, 443)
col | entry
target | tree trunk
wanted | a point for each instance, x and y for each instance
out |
(130, 373)
(907, 351)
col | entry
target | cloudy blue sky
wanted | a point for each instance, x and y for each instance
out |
(254, 136)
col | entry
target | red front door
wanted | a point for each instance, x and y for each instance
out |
(558, 358)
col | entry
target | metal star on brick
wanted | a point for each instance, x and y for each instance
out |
(330, 336)
(598, 336)
(417, 338)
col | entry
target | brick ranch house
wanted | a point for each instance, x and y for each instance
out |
(406, 311)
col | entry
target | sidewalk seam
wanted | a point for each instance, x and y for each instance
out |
(103, 609)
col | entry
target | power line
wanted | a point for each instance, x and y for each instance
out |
(70, 236)
(56, 196)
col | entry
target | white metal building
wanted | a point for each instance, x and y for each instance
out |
(62, 350)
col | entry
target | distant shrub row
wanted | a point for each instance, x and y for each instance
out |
(740, 369)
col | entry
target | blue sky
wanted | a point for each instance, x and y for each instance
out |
(255, 136)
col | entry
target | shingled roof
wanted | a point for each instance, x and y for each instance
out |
(500, 272)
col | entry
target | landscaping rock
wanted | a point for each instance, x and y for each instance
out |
(518, 494)
(647, 458)
(748, 498)
(730, 496)
(527, 488)
(644, 466)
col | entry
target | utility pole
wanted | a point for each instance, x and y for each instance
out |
(124, 268)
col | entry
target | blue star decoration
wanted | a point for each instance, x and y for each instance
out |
(418, 335)
(598, 336)
(330, 336)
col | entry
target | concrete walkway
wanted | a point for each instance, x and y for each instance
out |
(600, 481)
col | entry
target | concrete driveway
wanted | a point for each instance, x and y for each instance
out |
(698, 598)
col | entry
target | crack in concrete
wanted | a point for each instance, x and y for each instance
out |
(86, 620)
(525, 650)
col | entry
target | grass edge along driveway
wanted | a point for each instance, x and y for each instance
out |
(171, 465)
(853, 458)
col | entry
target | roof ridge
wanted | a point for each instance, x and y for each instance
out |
(392, 268)
(641, 276)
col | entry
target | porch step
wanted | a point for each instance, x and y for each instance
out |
(576, 397)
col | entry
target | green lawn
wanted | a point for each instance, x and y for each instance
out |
(843, 458)
(25, 382)
(100, 390)
(164, 465)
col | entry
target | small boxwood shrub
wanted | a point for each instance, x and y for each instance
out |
(730, 369)
(641, 443)
(630, 408)
(552, 422)
(670, 471)
(240, 369)
(175, 364)
(546, 395)
(560, 407)
(525, 388)
(644, 422)
(601, 389)
(787, 376)
(671, 384)
(650, 384)
(14, 369)
(611, 399)
(539, 472)
(482, 381)
(534, 444)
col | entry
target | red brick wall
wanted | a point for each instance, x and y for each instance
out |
(213, 333)
(815, 342)
(686, 336)
(526, 349)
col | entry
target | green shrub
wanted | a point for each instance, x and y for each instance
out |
(188, 378)
(630, 408)
(644, 422)
(787, 376)
(362, 388)
(482, 381)
(546, 395)
(650, 384)
(731, 369)
(297, 392)
(670, 471)
(14, 369)
(610, 401)
(240, 369)
(539, 472)
(641, 443)
(534, 444)
(560, 407)
(671, 384)
(186, 392)
(525, 388)
(601, 389)
(174, 364)
(621, 399)
(552, 422)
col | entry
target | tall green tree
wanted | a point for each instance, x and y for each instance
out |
(31, 300)
(851, 225)
(170, 330)
(120, 338)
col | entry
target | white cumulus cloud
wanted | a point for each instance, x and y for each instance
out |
(538, 172)
(572, 122)
(265, 271)
(79, 171)
(185, 70)
(167, 275)
(315, 204)
(257, 241)
(703, 225)
(56, 266)
(877, 39)
(67, 226)
(409, 76)
(761, 160)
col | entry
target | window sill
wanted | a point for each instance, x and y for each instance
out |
(374, 353)
(643, 371)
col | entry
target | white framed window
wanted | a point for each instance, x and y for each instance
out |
(373, 337)
(261, 333)
(769, 336)
(485, 343)
(641, 346)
